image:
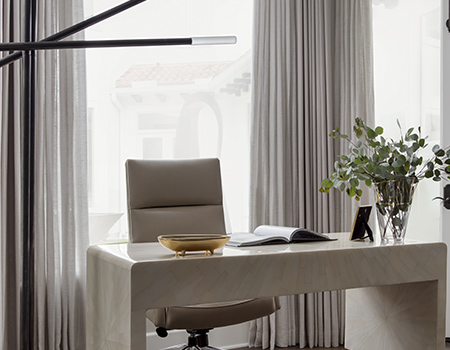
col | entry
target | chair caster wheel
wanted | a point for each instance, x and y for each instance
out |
(162, 332)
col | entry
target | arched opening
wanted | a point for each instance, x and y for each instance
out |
(200, 128)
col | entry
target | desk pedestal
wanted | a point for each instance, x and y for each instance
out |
(396, 317)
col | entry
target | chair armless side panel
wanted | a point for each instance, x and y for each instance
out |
(148, 224)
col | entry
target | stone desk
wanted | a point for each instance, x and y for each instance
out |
(396, 296)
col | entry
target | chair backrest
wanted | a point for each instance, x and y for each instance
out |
(173, 196)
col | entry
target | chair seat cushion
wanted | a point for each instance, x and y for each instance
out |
(206, 316)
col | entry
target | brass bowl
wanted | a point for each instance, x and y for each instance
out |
(182, 243)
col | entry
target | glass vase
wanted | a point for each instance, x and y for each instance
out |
(393, 202)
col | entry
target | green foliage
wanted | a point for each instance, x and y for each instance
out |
(373, 158)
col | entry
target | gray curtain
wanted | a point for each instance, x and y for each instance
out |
(61, 184)
(9, 180)
(312, 72)
(60, 208)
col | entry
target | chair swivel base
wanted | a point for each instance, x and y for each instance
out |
(197, 340)
(187, 347)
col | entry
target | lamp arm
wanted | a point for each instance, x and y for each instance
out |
(77, 27)
(83, 44)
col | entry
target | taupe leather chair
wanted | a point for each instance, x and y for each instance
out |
(184, 196)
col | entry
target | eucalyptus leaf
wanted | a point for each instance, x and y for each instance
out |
(428, 174)
(371, 133)
(403, 170)
(354, 182)
(407, 166)
(337, 165)
(440, 153)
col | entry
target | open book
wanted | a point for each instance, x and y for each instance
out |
(266, 234)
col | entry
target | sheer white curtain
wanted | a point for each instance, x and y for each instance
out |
(61, 227)
(312, 73)
(61, 185)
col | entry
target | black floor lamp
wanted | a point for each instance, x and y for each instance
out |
(26, 51)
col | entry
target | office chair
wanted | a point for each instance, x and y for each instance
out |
(184, 196)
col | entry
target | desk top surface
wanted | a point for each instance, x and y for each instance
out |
(148, 269)
(148, 252)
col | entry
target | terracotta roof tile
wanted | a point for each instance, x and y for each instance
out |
(171, 74)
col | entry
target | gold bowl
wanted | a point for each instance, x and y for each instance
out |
(182, 243)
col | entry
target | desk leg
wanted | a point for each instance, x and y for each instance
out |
(396, 317)
(111, 324)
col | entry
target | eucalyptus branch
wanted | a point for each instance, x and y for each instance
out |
(373, 158)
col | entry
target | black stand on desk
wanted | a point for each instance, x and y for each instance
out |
(361, 225)
(368, 230)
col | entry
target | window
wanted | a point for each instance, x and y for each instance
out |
(168, 102)
(407, 87)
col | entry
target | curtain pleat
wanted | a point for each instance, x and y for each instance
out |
(10, 78)
(312, 72)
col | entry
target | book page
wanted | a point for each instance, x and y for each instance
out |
(241, 237)
(245, 239)
(268, 230)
